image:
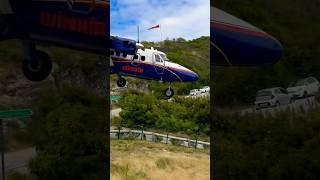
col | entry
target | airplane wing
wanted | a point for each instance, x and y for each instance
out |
(236, 42)
(123, 45)
(7, 27)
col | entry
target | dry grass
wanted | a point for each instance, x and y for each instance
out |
(135, 160)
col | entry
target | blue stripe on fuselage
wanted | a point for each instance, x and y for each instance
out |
(153, 72)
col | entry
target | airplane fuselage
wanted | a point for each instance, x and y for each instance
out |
(75, 24)
(152, 65)
(236, 42)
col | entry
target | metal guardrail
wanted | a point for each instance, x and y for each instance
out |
(157, 137)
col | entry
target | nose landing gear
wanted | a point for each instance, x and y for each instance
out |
(169, 92)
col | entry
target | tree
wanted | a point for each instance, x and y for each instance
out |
(69, 133)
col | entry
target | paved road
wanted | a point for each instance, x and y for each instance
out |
(297, 106)
(18, 160)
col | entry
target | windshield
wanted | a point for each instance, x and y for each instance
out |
(164, 57)
(264, 93)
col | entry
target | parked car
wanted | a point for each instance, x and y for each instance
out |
(195, 92)
(205, 89)
(272, 97)
(305, 87)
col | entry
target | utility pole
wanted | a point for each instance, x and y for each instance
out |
(5, 116)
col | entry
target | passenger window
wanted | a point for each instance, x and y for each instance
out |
(111, 53)
(117, 53)
(124, 54)
(135, 57)
(143, 58)
(157, 58)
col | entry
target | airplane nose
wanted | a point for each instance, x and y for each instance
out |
(190, 76)
(236, 42)
(193, 76)
(181, 73)
(244, 50)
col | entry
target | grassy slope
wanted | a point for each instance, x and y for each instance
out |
(144, 160)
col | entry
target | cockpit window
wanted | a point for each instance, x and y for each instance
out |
(164, 57)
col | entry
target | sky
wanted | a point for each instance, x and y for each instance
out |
(188, 19)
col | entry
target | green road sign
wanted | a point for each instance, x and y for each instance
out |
(115, 98)
(15, 114)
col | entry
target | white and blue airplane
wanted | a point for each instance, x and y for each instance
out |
(149, 64)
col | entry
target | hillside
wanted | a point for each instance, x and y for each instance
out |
(61, 105)
(69, 67)
(139, 160)
(280, 146)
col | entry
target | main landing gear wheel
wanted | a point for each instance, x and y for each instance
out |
(39, 68)
(169, 92)
(121, 82)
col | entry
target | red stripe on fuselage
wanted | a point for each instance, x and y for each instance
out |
(69, 23)
(100, 4)
(233, 28)
(165, 67)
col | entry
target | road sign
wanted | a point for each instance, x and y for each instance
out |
(15, 114)
(8, 115)
(115, 98)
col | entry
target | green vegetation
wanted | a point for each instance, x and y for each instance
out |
(182, 116)
(68, 130)
(126, 173)
(135, 145)
(285, 146)
(69, 124)
(185, 115)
